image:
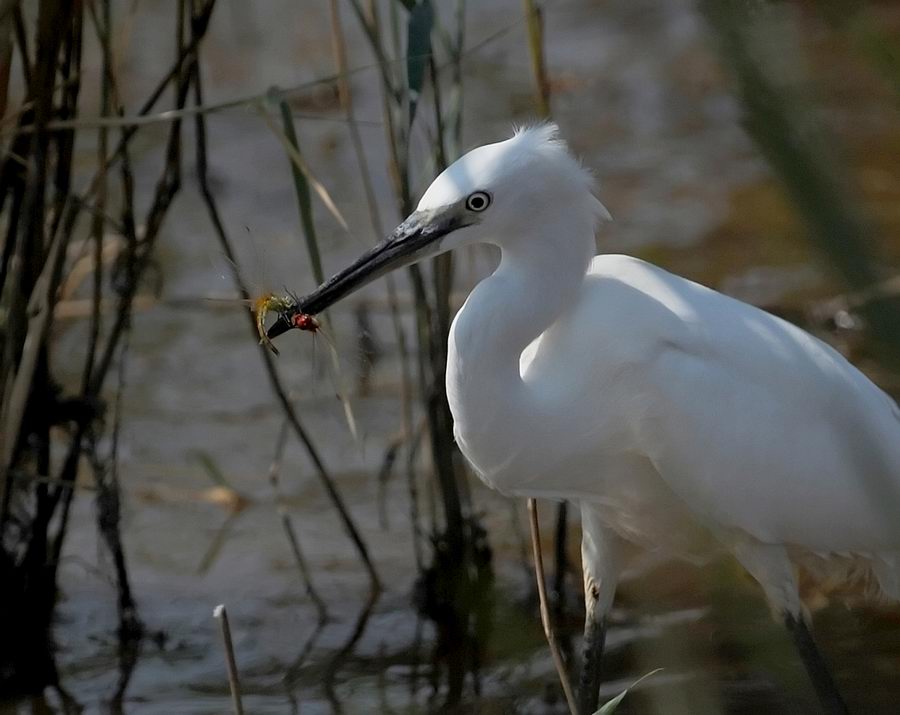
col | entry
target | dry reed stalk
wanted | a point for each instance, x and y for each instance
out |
(288, 525)
(234, 684)
(339, 46)
(545, 610)
(535, 22)
(7, 24)
(307, 221)
(275, 381)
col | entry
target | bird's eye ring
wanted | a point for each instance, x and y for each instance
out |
(478, 201)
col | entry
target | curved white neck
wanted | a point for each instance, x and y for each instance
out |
(538, 279)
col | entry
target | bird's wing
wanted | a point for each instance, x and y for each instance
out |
(756, 424)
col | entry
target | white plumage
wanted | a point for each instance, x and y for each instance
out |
(676, 417)
(610, 381)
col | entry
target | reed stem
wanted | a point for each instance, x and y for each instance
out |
(234, 683)
(545, 610)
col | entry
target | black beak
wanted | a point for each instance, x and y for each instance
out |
(280, 326)
(416, 238)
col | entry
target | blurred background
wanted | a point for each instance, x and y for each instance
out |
(167, 162)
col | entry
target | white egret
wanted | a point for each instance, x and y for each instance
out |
(675, 416)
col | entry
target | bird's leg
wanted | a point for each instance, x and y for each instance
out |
(589, 683)
(599, 562)
(816, 666)
(770, 566)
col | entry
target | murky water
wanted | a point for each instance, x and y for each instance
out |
(640, 96)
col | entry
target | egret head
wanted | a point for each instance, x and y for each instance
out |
(496, 193)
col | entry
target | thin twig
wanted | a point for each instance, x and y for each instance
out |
(221, 615)
(288, 525)
(302, 181)
(339, 46)
(97, 229)
(139, 252)
(545, 610)
(303, 567)
(144, 118)
(171, 115)
(345, 95)
(40, 308)
(534, 15)
(300, 163)
(535, 22)
(271, 370)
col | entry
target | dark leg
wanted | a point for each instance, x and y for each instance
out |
(829, 697)
(599, 548)
(589, 683)
(562, 563)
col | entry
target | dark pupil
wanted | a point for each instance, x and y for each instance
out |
(477, 202)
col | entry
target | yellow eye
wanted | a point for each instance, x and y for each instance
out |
(478, 201)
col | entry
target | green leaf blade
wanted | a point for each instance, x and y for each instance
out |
(611, 706)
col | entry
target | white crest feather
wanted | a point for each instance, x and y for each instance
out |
(544, 136)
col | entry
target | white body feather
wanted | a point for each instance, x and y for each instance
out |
(670, 411)
(708, 412)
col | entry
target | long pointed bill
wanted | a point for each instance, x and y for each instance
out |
(418, 237)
